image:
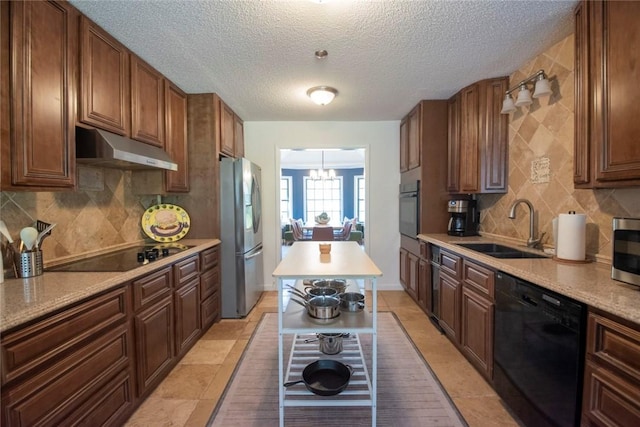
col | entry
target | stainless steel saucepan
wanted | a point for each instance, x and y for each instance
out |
(321, 307)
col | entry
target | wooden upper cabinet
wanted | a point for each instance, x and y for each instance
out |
(39, 75)
(607, 126)
(469, 139)
(410, 138)
(415, 136)
(453, 146)
(176, 140)
(404, 144)
(478, 140)
(238, 137)
(104, 82)
(495, 138)
(227, 126)
(147, 103)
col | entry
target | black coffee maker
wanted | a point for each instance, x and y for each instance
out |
(464, 218)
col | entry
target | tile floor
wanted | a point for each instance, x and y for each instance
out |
(189, 394)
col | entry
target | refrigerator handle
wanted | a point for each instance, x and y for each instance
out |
(253, 255)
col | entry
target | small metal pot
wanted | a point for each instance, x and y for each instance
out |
(339, 285)
(321, 307)
(351, 301)
(330, 343)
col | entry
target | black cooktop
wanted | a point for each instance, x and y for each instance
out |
(122, 260)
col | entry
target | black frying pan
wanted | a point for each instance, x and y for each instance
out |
(325, 377)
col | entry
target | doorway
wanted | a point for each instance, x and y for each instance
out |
(322, 182)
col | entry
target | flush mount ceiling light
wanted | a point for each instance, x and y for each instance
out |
(542, 88)
(322, 95)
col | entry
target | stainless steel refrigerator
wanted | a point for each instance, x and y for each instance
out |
(241, 235)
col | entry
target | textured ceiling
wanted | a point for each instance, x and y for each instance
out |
(384, 56)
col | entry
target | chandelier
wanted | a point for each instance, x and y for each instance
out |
(321, 173)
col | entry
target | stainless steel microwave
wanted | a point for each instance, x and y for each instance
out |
(625, 265)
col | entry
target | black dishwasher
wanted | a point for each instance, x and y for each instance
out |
(538, 352)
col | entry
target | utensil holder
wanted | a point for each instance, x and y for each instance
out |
(29, 264)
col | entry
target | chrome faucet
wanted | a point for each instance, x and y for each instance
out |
(532, 242)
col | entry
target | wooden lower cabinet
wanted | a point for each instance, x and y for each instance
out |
(412, 275)
(187, 316)
(403, 269)
(450, 307)
(72, 367)
(424, 285)
(94, 362)
(476, 333)
(611, 392)
(154, 343)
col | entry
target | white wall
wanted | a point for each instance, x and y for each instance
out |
(263, 141)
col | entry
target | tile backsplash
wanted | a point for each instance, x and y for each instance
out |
(541, 165)
(104, 214)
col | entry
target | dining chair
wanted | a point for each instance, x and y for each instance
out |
(322, 233)
(344, 232)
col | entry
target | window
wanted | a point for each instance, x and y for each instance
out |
(286, 195)
(323, 195)
(359, 198)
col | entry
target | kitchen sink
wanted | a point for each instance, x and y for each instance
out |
(499, 251)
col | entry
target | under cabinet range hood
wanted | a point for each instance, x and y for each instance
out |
(100, 148)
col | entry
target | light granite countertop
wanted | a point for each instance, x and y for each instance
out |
(588, 283)
(22, 300)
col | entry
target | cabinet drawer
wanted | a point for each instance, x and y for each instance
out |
(49, 339)
(210, 310)
(450, 263)
(186, 270)
(608, 399)
(209, 282)
(479, 278)
(209, 258)
(613, 343)
(51, 396)
(151, 288)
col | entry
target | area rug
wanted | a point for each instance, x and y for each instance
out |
(408, 392)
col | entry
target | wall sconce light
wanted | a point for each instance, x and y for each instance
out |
(322, 95)
(542, 88)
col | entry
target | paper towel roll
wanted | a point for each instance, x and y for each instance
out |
(571, 236)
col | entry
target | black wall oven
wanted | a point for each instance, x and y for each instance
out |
(410, 209)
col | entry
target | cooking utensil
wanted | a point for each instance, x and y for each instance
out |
(28, 235)
(325, 377)
(351, 301)
(5, 231)
(339, 285)
(320, 307)
(44, 233)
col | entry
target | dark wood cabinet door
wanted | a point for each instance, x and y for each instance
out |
(403, 269)
(147, 103)
(476, 332)
(615, 69)
(424, 285)
(453, 145)
(469, 137)
(404, 144)
(187, 316)
(238, 137)
(104, 80)
(450, 307)
(582, 154)
(607, 52)
(495, 148)
(40, 72)
(412, 276)
(176, 139)
(415, 137)
(227, 127)
(155, 343)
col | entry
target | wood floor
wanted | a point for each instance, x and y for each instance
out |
(189, 394)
